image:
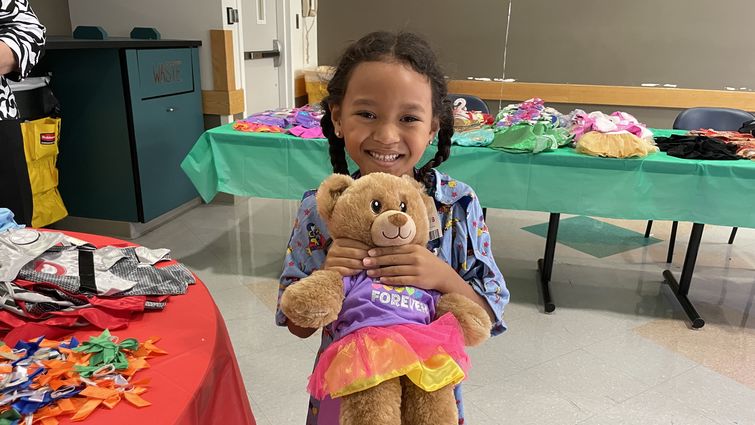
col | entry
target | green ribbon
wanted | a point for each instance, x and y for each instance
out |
(105, 352)
(9, 417)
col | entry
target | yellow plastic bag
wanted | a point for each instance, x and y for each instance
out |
(41, 139)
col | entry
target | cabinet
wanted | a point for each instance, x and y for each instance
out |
(131, 111)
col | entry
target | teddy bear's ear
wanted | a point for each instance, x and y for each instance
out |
(329, 192)
(427, 200)
(417, 185)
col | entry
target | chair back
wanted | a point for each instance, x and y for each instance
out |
(721, 119)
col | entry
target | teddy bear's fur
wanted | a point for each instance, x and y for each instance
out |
(315, 301)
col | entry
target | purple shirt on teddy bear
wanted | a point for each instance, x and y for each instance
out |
(369, 303)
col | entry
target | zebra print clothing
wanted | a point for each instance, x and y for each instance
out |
(21, 31)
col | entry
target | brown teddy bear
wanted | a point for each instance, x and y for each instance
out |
(397, 351)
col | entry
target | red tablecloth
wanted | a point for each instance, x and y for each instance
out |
(198, 382)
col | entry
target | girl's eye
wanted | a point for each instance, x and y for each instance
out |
(365, 114)
(409, 118)
(402, 207)
(376, 205)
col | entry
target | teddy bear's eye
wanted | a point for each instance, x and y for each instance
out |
(402, 207)
(376, 206)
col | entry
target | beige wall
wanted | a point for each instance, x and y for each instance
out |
(175, 19)
(466, 35)
(53, 14)
(303, 38)
(188, 19)
(690, 43)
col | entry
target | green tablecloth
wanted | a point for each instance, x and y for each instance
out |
(657, 187)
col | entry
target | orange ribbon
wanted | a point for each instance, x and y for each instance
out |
(101, 390)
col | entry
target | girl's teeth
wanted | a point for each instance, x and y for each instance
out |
(387, 158)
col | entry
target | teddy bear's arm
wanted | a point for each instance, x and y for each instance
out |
(314, 301)
(474, 320)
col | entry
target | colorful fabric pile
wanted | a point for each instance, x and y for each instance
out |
(529, 126)
(471, 128)
(51, 283)
(747, 151)
(302, 122)
(619, 135)
(745, 142)
(465, 119)
(532, 111)
(42, 380)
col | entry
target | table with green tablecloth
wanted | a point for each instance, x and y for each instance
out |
(658, 187)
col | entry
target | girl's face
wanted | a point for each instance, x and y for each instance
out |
(386, 117)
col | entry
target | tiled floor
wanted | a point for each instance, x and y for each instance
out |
(614, 352)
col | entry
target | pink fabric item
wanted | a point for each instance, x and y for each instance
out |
(583, 123)
(307, 133)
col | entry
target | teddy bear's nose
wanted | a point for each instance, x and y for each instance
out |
(397, 219)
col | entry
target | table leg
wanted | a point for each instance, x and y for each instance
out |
(681, 288)
(733, 234)
(672, 242)
(545, 264)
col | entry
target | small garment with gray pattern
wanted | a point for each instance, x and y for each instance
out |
(10, 293)
(118, 272)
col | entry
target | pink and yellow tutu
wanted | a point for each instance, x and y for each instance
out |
(431, 356)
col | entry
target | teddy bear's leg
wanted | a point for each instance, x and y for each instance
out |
(419, 407)
(379, 405)
(473, 319)
(314, 301)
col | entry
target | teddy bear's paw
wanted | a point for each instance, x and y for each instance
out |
(309, 309)
(476, 326)
(313, 318)
(473, 319)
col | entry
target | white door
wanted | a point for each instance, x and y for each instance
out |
(266, 84)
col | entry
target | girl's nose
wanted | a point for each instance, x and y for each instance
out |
(386, 133)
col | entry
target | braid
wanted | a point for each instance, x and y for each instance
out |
(337, 147)
(445, 132)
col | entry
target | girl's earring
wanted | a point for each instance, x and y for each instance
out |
(338, 134)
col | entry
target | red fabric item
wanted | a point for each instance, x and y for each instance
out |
(102, 317)
(725, 136)
(198, 382)
(35, 329)
(116, 304)
(104, 313)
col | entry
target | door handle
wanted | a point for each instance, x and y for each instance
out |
(275, 53)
